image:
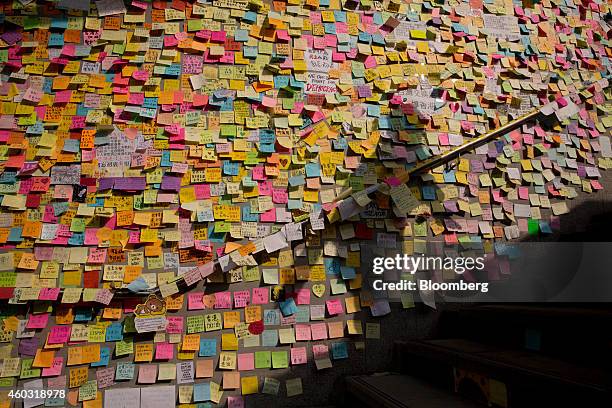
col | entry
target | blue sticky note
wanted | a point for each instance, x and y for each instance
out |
(104, 358)
(208, 347)
(339, 350)
(82, 315)
(298, 180)
(201, 392)
(340, 144)
(332, 266)
(231, 168)
(249, 16)
(288, 307)
(125, 371)
(545, 227)
(449, 176)
(313, 170)
(8, 177)
(71, 145)
(266, 147)
(247, 216)
(269, 338)
(114, 332)
(15, 235)
(303, 314)
(429, 193)
(347, 272)
(271, 317)
(77, 239)
(241, 35)
(250, 52)
(294, 204)
(138, 285)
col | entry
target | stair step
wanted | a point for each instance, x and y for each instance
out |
(508, 363)
(400, 391)
(522, 372)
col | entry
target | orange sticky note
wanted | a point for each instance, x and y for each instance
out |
(44, 358)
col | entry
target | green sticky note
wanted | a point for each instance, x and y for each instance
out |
(228, 130)
(195, 324)
(263, 359)
(124, 347)
(26, 369)
(420, 229)
(7, 382)
(280, 359)
(88, 390)
(533, 227)
(222, 226)
(194, 25)
(251, 274)
(418, 34)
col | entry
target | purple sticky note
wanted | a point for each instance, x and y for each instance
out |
(106, 183)
(171, 183)
(28, 347)
(131, 183)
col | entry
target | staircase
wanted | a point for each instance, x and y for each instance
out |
(514, 356)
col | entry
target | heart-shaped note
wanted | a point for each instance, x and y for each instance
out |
(318, 289)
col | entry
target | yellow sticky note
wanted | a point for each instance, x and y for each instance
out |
(250, 385)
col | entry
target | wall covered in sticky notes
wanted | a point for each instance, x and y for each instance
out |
(173, 228)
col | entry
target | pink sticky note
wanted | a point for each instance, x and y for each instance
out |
(320, 351)
(38, 321)
(242, 298)
(260, 296)
(268, 101)
(133, 237)
(175, 325)
(334, 307)
(370, 62)
(298, 355)
(235, 402)
(318, 331)
(194, 301)
(55, 369)
(202, 191)
(59, 334)
(268, 216)
(443, 139)
(258, 173)
(49, 294)
(265, 188)
(147, 373)
(562, 102)
(282, 35)
(164, 351)
(303, 296)
(223, 300)
(218, 36)
(302, 332)
(140, 75)
(279, 196)
(136, 98)
(393, 181)
(246, 361)
(62, 96)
